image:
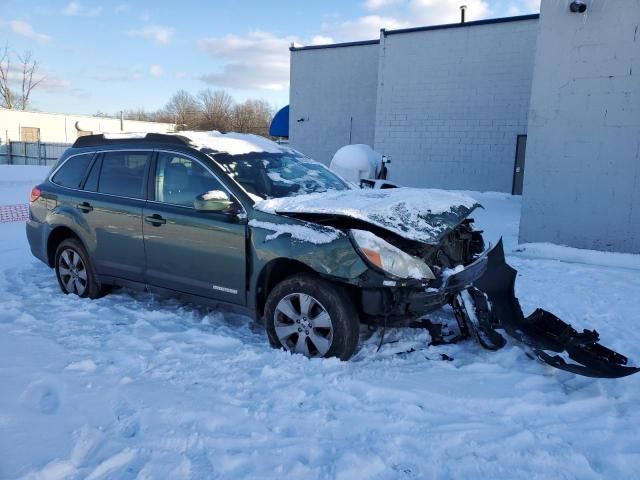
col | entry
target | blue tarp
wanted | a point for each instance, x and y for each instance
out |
(280, 123)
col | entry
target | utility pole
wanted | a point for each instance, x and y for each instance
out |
(121, 121)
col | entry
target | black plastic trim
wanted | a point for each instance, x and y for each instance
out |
(97, 140)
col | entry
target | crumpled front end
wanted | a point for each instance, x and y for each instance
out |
(483, 299)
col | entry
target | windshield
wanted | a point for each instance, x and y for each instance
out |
(276, 175)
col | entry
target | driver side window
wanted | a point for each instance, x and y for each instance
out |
(179, 180)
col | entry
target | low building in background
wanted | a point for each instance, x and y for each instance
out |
(21, 126)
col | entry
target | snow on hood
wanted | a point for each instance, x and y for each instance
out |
(424, 215)
(232, 143)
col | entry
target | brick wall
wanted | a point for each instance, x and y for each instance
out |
(334, 91)
(582, 186)
(452, 101)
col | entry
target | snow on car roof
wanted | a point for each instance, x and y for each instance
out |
(232, 142)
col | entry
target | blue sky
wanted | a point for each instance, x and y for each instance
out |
(107, 56)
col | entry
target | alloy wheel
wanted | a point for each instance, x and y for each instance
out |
(72, 271)
(303, 325)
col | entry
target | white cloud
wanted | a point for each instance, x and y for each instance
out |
(26, 30)
(259, 60)
(156, 71)
(378, 4)
(363, 28)
(48, 81)
(77, 9)
(158, 33)
(122, 8)
(321, 40)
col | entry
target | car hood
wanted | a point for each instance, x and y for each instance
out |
(422, 215)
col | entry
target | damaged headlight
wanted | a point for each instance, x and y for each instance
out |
(389, 258)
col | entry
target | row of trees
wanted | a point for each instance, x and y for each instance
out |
(17, 79)
(210, 110)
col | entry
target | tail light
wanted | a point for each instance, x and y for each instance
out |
(35, 194)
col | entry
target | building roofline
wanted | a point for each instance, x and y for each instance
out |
(80, 115)
(384, 32)
(474, 23)
(335, 45)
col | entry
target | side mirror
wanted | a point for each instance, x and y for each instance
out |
(212, 201)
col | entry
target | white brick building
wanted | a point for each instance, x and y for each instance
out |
(447, 103)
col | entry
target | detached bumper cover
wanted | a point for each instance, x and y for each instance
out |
(544, 333)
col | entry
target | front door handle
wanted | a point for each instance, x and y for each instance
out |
(155, 220)
(84, 207)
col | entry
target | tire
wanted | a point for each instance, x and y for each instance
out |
(310, 315)
(75, 271)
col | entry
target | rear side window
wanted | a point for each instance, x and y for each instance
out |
(91, 184)
(72, 171)
(123, 173)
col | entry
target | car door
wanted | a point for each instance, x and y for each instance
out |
(113, 212)
(191, 251)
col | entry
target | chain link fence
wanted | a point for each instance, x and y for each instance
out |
(31, 153)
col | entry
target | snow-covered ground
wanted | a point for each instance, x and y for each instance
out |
(132, 386)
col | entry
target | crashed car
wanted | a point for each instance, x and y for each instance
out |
(238, 220)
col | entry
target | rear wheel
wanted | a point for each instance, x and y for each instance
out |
(75, 272)
(309, 315)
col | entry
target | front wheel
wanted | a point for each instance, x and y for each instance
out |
(309, 315)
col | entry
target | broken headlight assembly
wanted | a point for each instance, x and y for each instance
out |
(388, 258)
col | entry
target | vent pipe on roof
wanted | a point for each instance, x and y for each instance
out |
(463, 8)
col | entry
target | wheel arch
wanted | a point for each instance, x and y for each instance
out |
(55, 238)
(273, 273)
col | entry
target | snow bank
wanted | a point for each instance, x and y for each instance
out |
(16, 182)
(577, 255)
(313, 234)
(409, 212)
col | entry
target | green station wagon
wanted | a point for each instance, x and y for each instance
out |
(236, 220)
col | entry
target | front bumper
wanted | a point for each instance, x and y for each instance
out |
(410, 301)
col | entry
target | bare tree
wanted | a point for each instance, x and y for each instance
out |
(6, 94)
(253, 116)
(29, 69)
(217, 110)
(211, 110)
(185, 110)
(139, 114)
(24, 76)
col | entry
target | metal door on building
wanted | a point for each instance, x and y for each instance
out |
(518, 171)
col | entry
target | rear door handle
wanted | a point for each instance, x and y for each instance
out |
(155, 220)
(84, 207)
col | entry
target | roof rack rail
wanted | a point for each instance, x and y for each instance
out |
(118, 138)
